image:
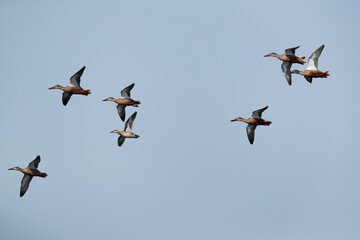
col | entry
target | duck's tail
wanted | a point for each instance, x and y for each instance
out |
(326, 74)
(86, 92)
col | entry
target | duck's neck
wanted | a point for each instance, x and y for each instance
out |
(244, 120)
(278, 56)
(240, 119)
(17, 169)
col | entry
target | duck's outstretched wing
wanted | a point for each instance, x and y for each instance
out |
(129, 122)
(75, 79)
(258, 113)
(35, 162)
(313, 59)
(121, 140)
(25, 184)
(125, 93)
(285, 67)
(121, 111)
(66, 97)
(250, 129)
(291, 51)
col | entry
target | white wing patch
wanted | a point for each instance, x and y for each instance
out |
(128, 129)
(312, 64)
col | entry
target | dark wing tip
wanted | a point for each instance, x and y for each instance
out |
(121, 140)
(22, 193)
(293, 48)
(133, 115)
(264, 108)
(251, 139)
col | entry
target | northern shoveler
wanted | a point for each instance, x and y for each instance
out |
(288, 59)
(253, 122)
(73, 87)
(29, 172)
(124, 101)
(127, 132)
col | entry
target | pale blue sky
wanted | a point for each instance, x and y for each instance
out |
(192, 174)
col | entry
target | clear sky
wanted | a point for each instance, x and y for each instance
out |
(192, 174)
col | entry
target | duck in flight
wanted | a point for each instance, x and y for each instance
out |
(253, 122)
(73, 87)
(123, 101)
(288, 59)
(127, 132)
(312, 70)
(29, 172)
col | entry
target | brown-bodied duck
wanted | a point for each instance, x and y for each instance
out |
(288, 59)
(73, 87)
(29, 172)
(127, 132)
(253, 122)
(312, 70)
(123, 101)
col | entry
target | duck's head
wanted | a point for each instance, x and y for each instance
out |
(109, 99)
(237, 119)
(271, 55)
(295, 71)
(114, 131)
(57, 87)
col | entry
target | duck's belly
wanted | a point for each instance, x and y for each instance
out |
(314, 73)
(291, 58)
(125, 101)
(257, 121)
(74, 90)
(127, 134)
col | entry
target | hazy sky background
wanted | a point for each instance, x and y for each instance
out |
(192, 174)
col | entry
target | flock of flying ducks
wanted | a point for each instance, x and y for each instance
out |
(288, 58)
